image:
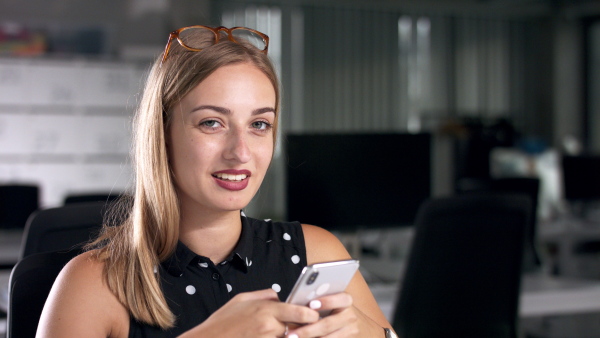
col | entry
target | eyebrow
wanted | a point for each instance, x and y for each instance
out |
(225, 111)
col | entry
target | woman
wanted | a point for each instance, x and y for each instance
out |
(185, 262)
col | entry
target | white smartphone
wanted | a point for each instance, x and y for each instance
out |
(322, 279)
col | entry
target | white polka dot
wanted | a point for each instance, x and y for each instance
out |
(295, 259)
(203, 265)
(287, 236)
(276, 287)
(229, 288)
(267, 220)
(248, 262)
(190, 289)
(243, 214)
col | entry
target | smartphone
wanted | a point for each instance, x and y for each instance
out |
(321, 279)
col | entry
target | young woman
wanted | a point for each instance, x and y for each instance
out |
(186, 262)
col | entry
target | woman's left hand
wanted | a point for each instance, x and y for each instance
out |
(345, 320)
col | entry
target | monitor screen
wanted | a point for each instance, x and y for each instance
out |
(581, 177)
(348, 181)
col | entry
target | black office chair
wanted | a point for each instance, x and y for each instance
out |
(464, 270)
(62, 227)
(97, 197)
(30, 283)
(17, 202)
(528, 186)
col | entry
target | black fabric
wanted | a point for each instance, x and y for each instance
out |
(268, 255)
(464, 271)
(62, 227)
(30, 283)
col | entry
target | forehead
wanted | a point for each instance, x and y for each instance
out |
(237, 83)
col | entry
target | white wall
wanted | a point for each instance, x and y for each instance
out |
(65, 125)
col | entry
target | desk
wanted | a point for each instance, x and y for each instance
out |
(565, 235)
(541, 295)
(10, 246)
(10, 249)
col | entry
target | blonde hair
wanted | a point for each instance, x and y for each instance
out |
(133, 249)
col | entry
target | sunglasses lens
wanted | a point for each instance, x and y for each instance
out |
(241, 34)
(197, 37)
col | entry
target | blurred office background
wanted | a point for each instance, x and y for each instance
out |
(499, 88)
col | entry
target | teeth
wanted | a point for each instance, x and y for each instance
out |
(229, 177)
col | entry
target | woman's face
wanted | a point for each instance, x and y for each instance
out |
(220, 140)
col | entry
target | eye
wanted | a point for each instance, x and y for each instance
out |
(262, 125)
(211, 124)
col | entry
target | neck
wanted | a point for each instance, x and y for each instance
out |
(211, 235)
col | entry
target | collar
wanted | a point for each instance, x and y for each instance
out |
(240, 257)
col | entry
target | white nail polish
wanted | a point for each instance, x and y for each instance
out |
(314, 304)
(293, 335)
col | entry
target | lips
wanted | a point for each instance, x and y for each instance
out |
(233, 180)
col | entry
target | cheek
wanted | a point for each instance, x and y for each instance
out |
(265, 154)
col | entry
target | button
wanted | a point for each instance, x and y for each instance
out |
(215, 276)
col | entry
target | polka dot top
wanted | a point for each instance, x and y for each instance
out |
(268, 255)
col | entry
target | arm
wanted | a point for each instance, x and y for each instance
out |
(358, 314)
(81, 305)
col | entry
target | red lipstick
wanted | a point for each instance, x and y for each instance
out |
(232, 179)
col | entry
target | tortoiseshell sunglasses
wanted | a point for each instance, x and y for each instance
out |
(185, 37)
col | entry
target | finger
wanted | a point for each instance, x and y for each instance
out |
(266, 294)
(332, 302)
(290, 313)
(318, 329)
(328, 325)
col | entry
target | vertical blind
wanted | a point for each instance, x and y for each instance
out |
(365, 70)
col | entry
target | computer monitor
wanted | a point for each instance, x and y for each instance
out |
(344, 182)
(581, 178)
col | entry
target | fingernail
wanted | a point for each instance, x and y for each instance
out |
(314, 304)
(292, 335)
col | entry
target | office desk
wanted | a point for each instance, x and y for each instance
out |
(540, 296)
(564, 235)
(10, 246)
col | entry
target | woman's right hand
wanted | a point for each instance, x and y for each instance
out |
(253, 314)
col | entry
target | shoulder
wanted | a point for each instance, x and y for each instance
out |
(322, 245)
(80, 302)
(287, 233)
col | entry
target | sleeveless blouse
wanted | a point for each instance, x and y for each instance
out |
(267, 255)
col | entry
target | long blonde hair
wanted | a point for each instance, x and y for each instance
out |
(133, 249)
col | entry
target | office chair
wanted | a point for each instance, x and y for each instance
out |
(463, 273)
(528, 186)
(83, 198)
(62, 227)
(17, 202)
(30, 283)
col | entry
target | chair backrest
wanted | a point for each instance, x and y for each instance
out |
(62, 227)
(528, 186)
(463, 273)
(30, 283)
(17, 202)
(84, 198)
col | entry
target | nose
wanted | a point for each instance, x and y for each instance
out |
(237, 148)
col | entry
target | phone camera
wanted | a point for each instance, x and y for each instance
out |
(312, 278)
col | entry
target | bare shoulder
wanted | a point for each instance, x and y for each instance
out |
(322, 245)
(81, 304)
